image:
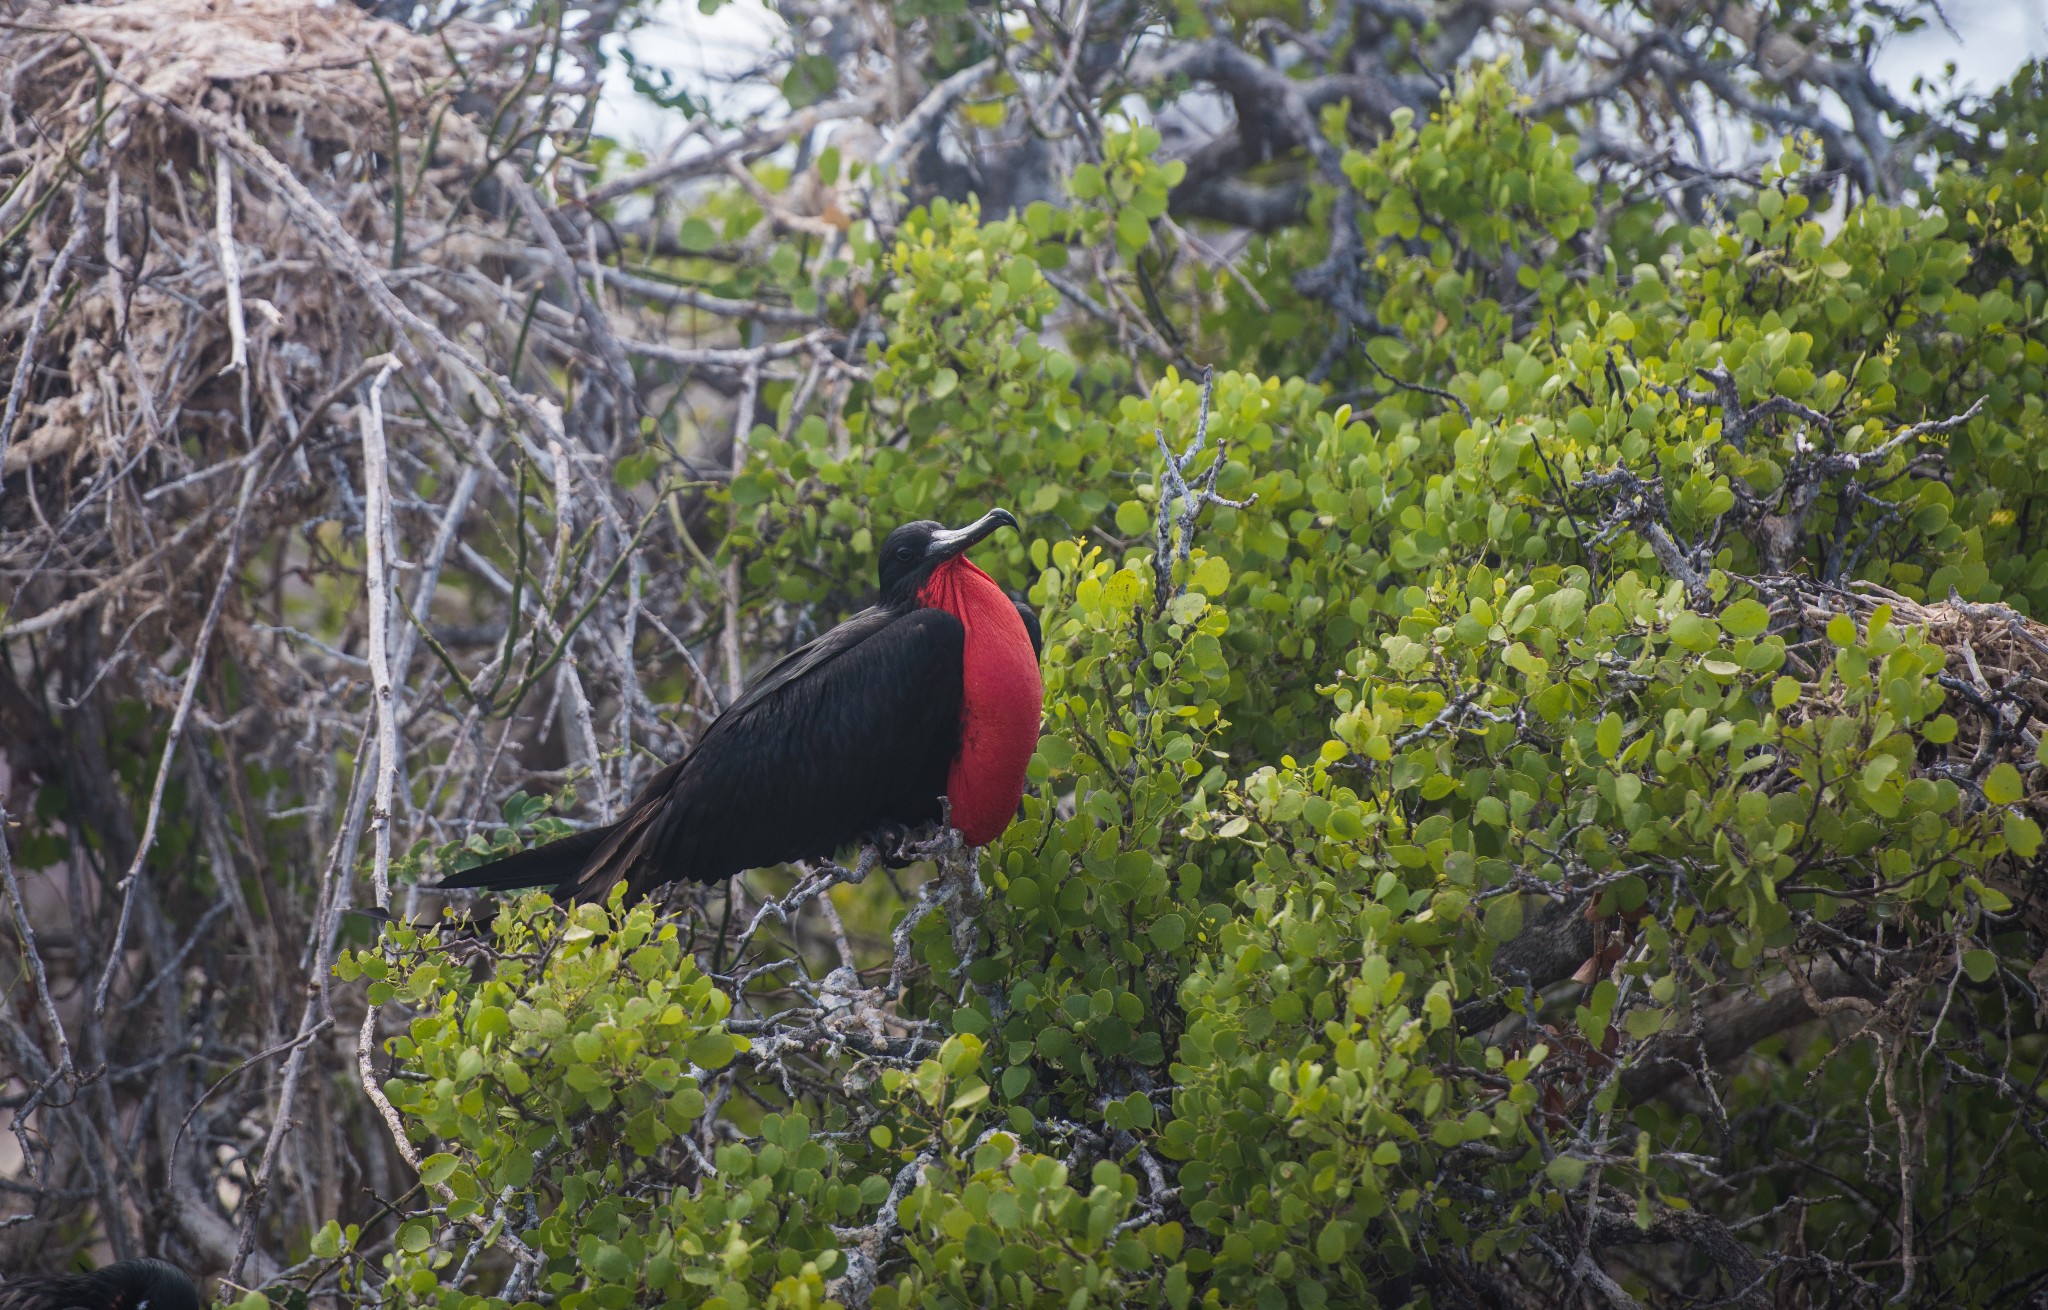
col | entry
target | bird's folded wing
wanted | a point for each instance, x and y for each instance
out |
(857, 726)
(808, 659)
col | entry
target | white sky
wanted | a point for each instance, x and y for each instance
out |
(704, 53)
(1997, 36)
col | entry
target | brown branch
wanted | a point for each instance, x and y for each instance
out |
(754, 144)
(1732, 1026)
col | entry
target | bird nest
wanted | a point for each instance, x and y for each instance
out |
(1996, 674)
(160, 162)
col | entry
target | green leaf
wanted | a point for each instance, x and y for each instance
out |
(713, 1050)
(695, 235)
(611, 1264)
(1643, 1023)
(1168, 932)
(434, 1170)
(326, 1243)
(975, 1093)
(1212, 576)
(634, 469)
(1566, 1171)
(1695, 632)
(982, 1245)
(1504, 917)
(1980, 965)
(2002, 785)
(1607, 737)
(1132, 231)
(1745, 618)
(2022, 834)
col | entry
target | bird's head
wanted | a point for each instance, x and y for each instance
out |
(911, 552)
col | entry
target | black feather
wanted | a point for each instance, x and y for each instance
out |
(558, 861)
(1030, 617)
(851, 732)
(129, 1285)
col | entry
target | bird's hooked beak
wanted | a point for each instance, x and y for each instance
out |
(946, 544)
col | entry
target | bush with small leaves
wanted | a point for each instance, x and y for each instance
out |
(1555, 809)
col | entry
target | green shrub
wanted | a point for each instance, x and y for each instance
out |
(1554, 636)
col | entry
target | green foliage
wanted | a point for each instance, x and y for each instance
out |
(1437, 670)
(564, 1080)
(1633, 746)
(1474, 173)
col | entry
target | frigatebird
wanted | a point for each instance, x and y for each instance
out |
(129, 1285)
(925, 705)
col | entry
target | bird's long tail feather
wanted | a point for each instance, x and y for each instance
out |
(554, 865)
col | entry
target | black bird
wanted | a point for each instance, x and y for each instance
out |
(129, 1285)
(933, 692)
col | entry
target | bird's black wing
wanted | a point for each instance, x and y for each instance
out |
(857, 729)
(124, 1286)
(537, 866)
(1030, 617)
(586, 863)
(824, 648)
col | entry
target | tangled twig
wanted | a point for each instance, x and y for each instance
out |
(1174, 530)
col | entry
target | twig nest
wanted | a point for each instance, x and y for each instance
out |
(1996, 673)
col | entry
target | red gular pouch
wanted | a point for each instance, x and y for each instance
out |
(1001, 699)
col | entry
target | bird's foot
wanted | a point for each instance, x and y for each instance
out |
(899, 847)
(884, 842)
(942, 843)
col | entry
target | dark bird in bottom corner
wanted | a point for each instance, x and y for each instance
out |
(129, 1285)
(932, 693)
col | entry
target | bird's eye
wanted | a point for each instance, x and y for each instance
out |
(905, 552)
